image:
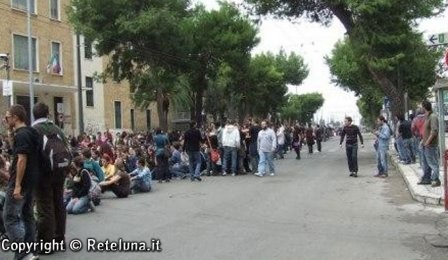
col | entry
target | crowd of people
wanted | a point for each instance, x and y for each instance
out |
(68, 175)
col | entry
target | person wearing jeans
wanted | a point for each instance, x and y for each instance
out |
(18, 209)
(267, 144)
(231, 141)
(80, 201)
(351, 145)
(430, 147)
(192, 145)
(253, 146)
(383, 136)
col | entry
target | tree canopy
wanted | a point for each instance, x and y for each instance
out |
(382, 33)
(301, 108)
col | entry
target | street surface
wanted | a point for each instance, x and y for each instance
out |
(311, 210)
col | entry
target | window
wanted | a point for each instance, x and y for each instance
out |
(89, 92)
(21, 52)
(54, 9)
(54, 65)
(132, 120)
(117, 106)
(87, 49)
(148, 119)
(21, 5)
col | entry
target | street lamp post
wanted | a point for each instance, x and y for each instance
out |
(30, 60)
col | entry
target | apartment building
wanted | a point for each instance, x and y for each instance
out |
(52, 57)
(55, 73)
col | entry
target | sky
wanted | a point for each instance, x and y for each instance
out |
(313, 42)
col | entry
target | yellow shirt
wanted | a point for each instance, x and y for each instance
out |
(109, 171)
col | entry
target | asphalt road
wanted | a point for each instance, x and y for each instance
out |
(311, 210)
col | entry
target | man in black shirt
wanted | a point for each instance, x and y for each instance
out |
(405, 133)
(24, 171)
(253, 150)
(351, 145)
(192, 145)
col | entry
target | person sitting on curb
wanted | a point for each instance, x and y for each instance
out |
(141, 178)
(80, 201)
(120, 183)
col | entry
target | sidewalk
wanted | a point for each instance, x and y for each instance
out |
(411, 174)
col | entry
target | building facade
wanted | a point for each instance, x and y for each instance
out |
(105, 105)
(52, 57)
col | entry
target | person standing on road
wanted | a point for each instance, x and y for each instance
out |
(231, 142)
(383, 137)
(18, 214)
(351, 145)
(319, 133)
(50, 189)
(161, 143)
(253, 145)
(192, 145)
(280, 141)
(267, 144)
(309, 134)
(429, 145)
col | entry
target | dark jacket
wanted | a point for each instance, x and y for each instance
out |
(81, 188)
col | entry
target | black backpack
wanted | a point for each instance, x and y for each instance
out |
(54, 150)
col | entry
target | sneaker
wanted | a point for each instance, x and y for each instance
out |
(355, 174)
(435, 183)
(233, 174)
(383, 176)
(91, 206)
(198, 178)
(258, 174)
(351, 174)
(224, 174)
(272, 174)
(424, 182)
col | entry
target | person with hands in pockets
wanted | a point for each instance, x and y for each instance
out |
(267, 145)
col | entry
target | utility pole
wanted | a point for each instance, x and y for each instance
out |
(80, 103)
(30, 60)
(8, 78)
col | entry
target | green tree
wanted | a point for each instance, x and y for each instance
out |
(216, 37)
(381, 31)
(302, 107)
(144, 40)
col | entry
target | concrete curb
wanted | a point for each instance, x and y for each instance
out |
(418, 193)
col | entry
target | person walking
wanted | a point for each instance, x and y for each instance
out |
(18, 214)
(319, 133)
(351, 144)
(383, 135)
(267, 145)
(429, 145)
(51, 212)
(192, 145)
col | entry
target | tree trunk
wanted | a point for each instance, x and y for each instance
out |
(199, 106)
(391, 91)
(161, 111)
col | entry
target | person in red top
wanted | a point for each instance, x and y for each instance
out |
(417, 128)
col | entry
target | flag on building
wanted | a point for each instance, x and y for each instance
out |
(54, 66)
